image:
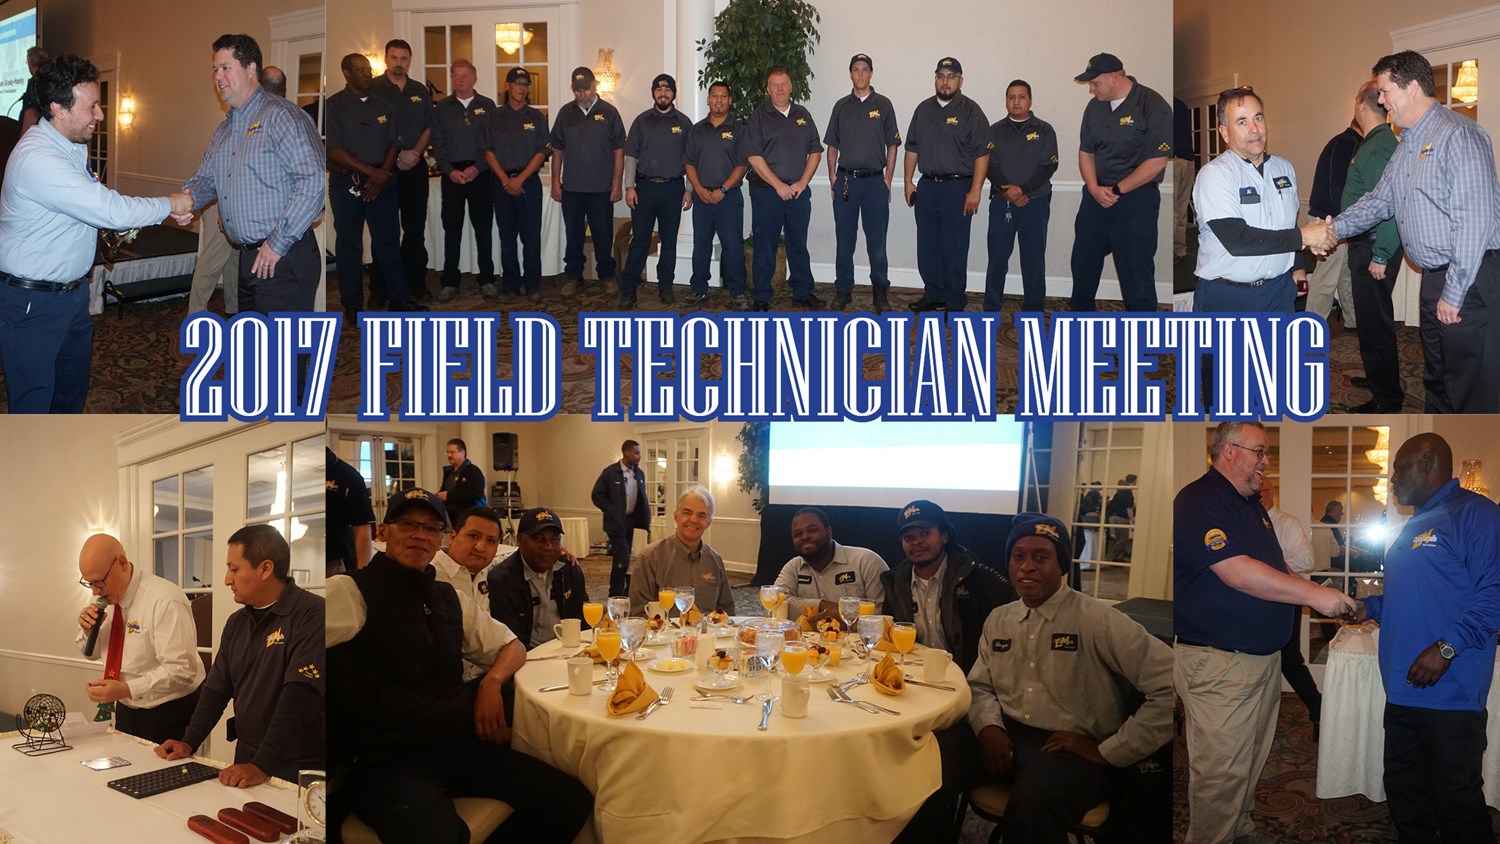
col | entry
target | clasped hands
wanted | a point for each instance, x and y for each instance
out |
(182, 207)
(1318, 235)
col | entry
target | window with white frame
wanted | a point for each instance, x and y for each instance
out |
(1456, 86)
(673, 464)
(182, 541)
(284, 488)
(1350, 470)
(1104, 515)
(387, 463)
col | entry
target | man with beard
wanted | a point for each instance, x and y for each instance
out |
(654, 189)
(949, 139)
(540, 584)
(1437, 618)
(412, 103)
(825, 570)
(463, 482)
(471, 548)
(265, 165)
(1233, 613)
(412, 734)
(588, 161)
(51, 209)
(715, 168)
(361, 130)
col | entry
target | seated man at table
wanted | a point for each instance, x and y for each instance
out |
(1438, 618)
(270, 661)
(825, 570)
(540, 584)
(407, 729)
(471, 548)
(1049, 707)
(683, 559)
(948, 594)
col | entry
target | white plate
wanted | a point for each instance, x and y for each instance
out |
(671, 665)
(656, 640)
(806, 672)
(719, 684)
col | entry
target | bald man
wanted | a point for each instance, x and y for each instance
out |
(1437, 618)
(147, 641)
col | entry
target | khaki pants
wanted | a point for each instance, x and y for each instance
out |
(1183, 174)
(216, 264)
(1230, 700)
(1329, 278)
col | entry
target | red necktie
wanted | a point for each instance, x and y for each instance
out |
(112, 659)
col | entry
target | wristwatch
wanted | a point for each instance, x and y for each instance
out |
(1115, 189)
(1445, 650)
(723, 189)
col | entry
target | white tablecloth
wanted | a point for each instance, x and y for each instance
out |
(576, 536)
(695, 774)
(55, 798)
(1351, 748)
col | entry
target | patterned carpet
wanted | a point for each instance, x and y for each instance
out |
(578, 370)
(1285, 805)
(1346, 364)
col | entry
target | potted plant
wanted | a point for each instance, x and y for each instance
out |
(750, 38)
(755, 462)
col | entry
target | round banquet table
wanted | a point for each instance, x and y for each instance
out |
(1351, 751)
(693, 773)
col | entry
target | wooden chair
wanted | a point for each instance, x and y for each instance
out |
(482, 815)
(989, 801)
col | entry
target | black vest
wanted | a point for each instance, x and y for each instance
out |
(400, 679)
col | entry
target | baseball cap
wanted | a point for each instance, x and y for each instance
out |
(1102, 63)
(949, 64)
(583, 79)
(537, 519)
(860, 57)
(412, 497)
(517, 74)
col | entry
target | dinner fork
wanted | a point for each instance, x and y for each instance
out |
(839, 697)
(666, 698)
(730, 698)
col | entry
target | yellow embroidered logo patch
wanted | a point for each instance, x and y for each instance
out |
(599, 118)
(874, 112)
(479, 111)
(913, 510)
(1031, 136)
(677, 130)
(1127, 120)
(309, 671)
(1164, 147)
(529, 127)
(253, 127)
(1215, 540)
(276, 638)
(380, 119)
(416, 98)
(132, 627)
(1425, 150)
(801, 121)
(1424, 538)
(1047, 530)
(952, 121)
(726, 136)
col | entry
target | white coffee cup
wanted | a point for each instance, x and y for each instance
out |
(794, 694)
(935, 665)
(568, 632)
(580, 675)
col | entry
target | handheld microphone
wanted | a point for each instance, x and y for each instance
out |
(88, 647)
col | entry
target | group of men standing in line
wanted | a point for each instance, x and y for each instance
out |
(489, 157)
(264, 166)
(1432, 198)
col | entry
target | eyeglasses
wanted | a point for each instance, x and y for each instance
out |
(1260, 453)
(99, 584)
(419, 527)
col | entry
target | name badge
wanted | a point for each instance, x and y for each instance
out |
(484, 587)
(913, 609)
(1248, 196)
(1282, 182)
(535, 601)
(1064, 641)
(1000, 646)
(843, 577)
(804, 578)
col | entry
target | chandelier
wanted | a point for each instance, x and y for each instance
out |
(1466, 87)
(510, 37)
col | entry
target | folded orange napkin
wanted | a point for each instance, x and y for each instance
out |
(631, 693)
(605, 623)
(592, 652)
(806, 620)
(886, 677)
(885, 643)
(693, 614)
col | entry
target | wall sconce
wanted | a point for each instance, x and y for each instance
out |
(1466, 87)
(126, 117)
(724, 467)
(510, 37)
(377, 65)
(604, 71)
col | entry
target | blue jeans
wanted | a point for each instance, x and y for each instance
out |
(1008, 223)
(725, 219)
(853, 199)
(1127, 229)
(771, 216)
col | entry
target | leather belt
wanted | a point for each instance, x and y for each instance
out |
(861, 174)
(42, 286)
(658, 180)
(1488, 255)
(1182, 641)
(1260, 282)
(947, 177)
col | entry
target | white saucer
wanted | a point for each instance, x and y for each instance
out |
(719, 684)
(674, 665)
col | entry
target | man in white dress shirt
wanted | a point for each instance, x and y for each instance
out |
(472, 546)
(147, 640)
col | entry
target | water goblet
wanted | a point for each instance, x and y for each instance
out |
(684, 600)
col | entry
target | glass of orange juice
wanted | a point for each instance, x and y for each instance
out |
(593, 613)
(608, 642)
(794, 657)
(866, 607)
(666, 596)
(904, 637)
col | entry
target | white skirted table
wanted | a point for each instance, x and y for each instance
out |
(1351, 749)
(55, 798)
(576, 536)
(691, 774)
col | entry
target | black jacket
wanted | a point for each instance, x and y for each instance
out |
(510, 597)
(609, 497)
(465, 488)
(970, 592)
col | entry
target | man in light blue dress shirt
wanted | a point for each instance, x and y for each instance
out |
(265, 166)
(1440, 186)
(50, 211)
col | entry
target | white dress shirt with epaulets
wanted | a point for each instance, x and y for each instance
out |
(1266, 198)
(852, 573)
(476, 587)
